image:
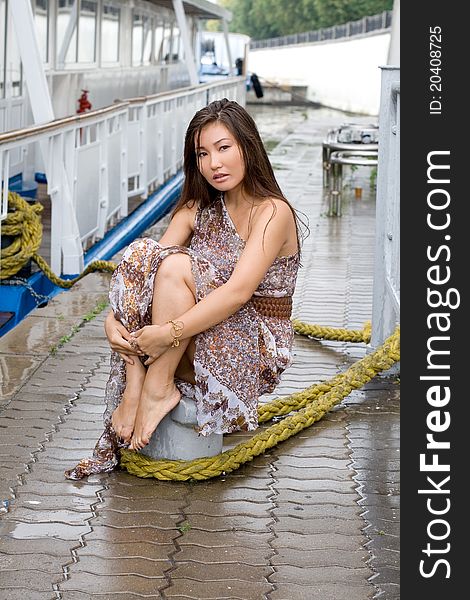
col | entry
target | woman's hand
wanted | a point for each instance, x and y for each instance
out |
(153, 340)
(118, 337)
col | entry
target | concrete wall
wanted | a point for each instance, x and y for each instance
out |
(341, 74)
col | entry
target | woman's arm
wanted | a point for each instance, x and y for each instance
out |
(268, 236)
(180, 229)
(178, 233)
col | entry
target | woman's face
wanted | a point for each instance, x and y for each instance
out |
(219, 158)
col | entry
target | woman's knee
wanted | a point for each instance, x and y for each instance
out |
(139, 250)
(176, 267)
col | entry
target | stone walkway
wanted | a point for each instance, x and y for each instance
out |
(316, 518)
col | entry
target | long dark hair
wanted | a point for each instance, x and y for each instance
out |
(259, 180)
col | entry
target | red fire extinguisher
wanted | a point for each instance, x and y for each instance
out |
(83, 103)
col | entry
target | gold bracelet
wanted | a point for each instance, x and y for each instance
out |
(176, 331)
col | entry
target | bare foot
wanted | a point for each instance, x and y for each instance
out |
(124, 415)
(151, 411)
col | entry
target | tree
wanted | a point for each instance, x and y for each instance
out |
(261, 19)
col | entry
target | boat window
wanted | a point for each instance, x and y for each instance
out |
(66, 32)
(166, 45)
(76, 16)
(14, 69)
(110, 34)
(3, 36)
(87, 31)
(137, 38)
(147, 42)
(175, 43)
(41, 20)
(158, 41)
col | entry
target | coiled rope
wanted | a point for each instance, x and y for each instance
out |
(309, 406)
(23, 223)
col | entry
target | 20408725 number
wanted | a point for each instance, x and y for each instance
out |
(435, 79)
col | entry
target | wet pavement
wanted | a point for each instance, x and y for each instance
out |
(317, 517)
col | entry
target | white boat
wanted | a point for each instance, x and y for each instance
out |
(138, 64)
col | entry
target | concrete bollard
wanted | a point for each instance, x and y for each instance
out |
(176, 438)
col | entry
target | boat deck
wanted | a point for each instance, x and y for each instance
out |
(316, 517)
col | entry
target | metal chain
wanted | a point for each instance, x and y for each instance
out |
(39, 298)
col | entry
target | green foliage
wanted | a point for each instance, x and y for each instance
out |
(262, 19)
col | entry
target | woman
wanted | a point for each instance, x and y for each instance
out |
(205, 311)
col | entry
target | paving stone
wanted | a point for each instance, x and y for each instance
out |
(225, 490)
(41, 546)
(232, 554)
(36, 503)
(321, 557)
(26, 423)
(386, 575)
(136, 549)
(28, 531)
(220, 590)
(332, 591)
(45, 514)
(229, 523)
(144, 505)
(131, 534)
(39, 562)
(389, 591)
(286, 497)
(102, 584)
(222, 539)
(112, 567)
(85, 489)
(234, 508)
(311, 485)
(317, 541)
(15, 370)
(23, 593)
(297, 511)
(220, 572)
(30, 579)
(321, 574)
(314, 473)
(382, 527)
(382, 540)
(136, 519)
(320, 525)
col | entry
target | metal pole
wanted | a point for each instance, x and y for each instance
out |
(188, 50)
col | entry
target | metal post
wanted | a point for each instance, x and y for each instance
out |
(227, 43)
(188, 51)
(386, 291)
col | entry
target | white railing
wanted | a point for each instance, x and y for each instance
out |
(94, 162)
(362, 26)
(386, 293)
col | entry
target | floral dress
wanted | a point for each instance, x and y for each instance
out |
(235, 361)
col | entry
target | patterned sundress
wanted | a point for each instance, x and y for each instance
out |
(235, 362)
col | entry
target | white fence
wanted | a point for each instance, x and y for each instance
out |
(386, 294)
(96, 161)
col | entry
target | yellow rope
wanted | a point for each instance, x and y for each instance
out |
(24, 224)
(333, 333)
(315, 401)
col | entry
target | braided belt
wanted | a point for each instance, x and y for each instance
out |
(270, 306)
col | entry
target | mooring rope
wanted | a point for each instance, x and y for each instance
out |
(308, 406)
(23, 223)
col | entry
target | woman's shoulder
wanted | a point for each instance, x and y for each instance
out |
(271, 207)
(188, 213)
